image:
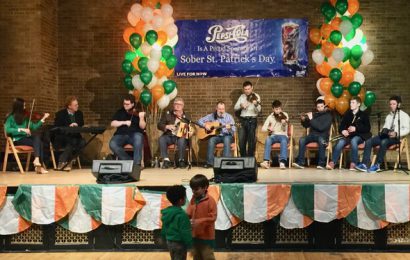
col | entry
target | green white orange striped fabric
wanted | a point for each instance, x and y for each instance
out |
(78, 220)
(111, 204)
(11, 221)
(325, 202)
(362, 218)
(389, 202)
(44, 204)
(149, 217)
(292, 218)
(3, 190)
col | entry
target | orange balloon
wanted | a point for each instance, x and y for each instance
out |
(135, 63)
(162, 70)
(136, 94)
(170, 72)
(324, 69)
(315, 36)
(348, 67)
(157, 92)
(149, 3)
(139, 28)
(347, 77)
(327, 48)
(335, 23)
(330, 101)
(326, 85)
(127, 33)
(325, 30)
(346, 95)
(353, 6)
(165, 1)
(342, 105)
(333, 2)
(362, 93)
(162, 37)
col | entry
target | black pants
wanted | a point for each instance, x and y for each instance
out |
(70, 144)
(35, 142)
(247, 136)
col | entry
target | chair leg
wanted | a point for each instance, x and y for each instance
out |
(407, 156)
(328, 156)
(341, 160)
(290, 157)
(79, 162)
(6, 156)
(373, 159)
(53, 158)
(16, 156)
(307, 155)
(28, 161)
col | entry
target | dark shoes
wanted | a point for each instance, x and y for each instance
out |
(206, 166)
(181, 164)
(67, 168)
(166, 164)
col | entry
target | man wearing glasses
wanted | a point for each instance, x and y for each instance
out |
(130, 126)
(169, 123)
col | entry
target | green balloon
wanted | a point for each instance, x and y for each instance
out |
(143, 63)
(166, 51)
(128, 82)
(337, 90)
(341, 6)
(169, 86)
(356, 52)
(135, 40)
(350, 35)
(127, 66)
(151, 37)
(146, 76)
(369, 98)
(145, 97)
(354, 88)
(328, 10)
(344, 18)
(336, 37)
(171, 61)
(357, 20)
(355, 63)
(130, 55)
(335, 75)
(346, 51)
(319, 46)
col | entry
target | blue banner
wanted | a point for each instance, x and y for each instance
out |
(242, 48)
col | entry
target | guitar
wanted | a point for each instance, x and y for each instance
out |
(215, 128)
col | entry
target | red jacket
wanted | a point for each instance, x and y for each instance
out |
(204, 214)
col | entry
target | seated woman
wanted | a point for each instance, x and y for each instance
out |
(18, 126)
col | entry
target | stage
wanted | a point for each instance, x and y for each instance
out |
(167, 177)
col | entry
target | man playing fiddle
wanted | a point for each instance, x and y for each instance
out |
(169, 122)
(130, 126)
(277, 125)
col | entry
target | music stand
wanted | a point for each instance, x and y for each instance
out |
(399, 166)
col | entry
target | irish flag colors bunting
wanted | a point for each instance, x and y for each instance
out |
(79, 221)
(10, 220)
(326, 202)
(292, 218)
(111, 204)
(44, 204)
(362, 218)
(3, 190)
(389, 202)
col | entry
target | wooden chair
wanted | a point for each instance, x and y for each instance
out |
(346, 149)
(16, 150)
(276, 146)
(312, 147)
(53, 158)
(395, 147)
(234, 146)
(172, 148)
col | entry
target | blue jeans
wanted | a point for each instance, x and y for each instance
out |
(384, 145)
(225, 139)
(322, 143)
(117, 143)
(354, 153)
(166, 140)
(283, 140)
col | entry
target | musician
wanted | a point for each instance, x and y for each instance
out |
(319, 124)
(225, 136)
(354, 129)
(389, 136)
(130, 125)
(249, 106)
(19, 127)
(70, 116)
(168, 124)
(277, 126)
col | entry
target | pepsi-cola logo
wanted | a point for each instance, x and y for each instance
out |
(217, 33)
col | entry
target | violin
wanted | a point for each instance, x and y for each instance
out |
(35, 116)
(279, 117)
(252, 97)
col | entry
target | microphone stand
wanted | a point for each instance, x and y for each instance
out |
(188, 122)
(400, 167)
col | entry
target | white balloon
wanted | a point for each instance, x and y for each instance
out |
(163, 102)
(332, 62)
(173, 94)
(153, 83)
(132, 19)
(153, 65)
(172, 42)
(157, 22)
(338, 54)
(318, 86)
(367, 57)
(345, 27)
(358, 36)
(167, 20)
(147, 14)
(130, 92)
(318, 57)
(162, 80)
(322, 97)
(359, 77)
(146, 48)
(136, 9)
(156, 54)
(167, 10)
(171, 30)
(137, 83)
(147, 27)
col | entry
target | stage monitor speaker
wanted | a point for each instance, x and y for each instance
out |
(238, 169)
(115, 171)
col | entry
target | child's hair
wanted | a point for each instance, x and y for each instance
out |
(199, 181)
(276, 103)
(176, 193)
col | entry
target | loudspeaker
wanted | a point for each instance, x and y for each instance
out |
(239, 169)
(115, 171)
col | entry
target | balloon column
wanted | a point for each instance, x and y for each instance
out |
(341, 50)
(150, 60)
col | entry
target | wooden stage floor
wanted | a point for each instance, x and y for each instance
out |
(162, 177)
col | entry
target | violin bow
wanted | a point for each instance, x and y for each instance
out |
(31, 113)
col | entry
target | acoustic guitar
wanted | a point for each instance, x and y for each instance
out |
(215, 129)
